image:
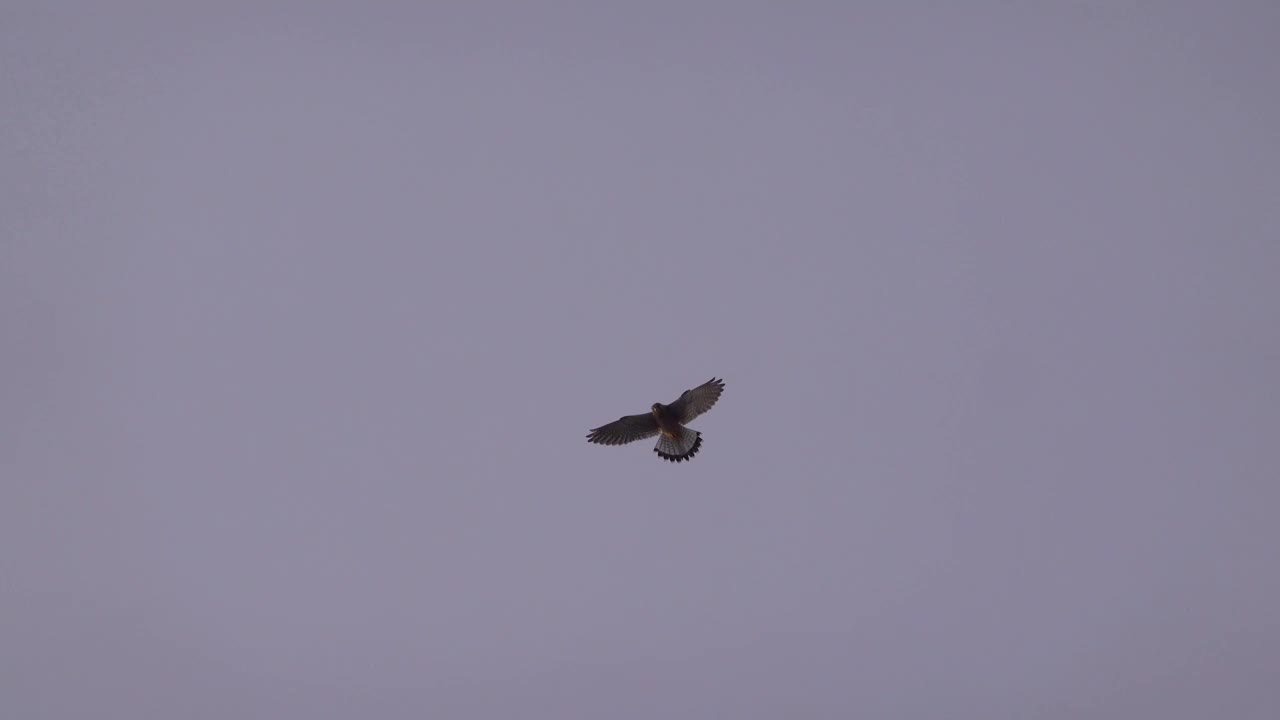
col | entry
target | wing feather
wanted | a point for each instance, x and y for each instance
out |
(624, 430)
(693, 403)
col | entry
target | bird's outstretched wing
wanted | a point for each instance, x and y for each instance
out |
(624, 430)
(693, 403)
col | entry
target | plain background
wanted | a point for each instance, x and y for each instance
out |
(307, 308)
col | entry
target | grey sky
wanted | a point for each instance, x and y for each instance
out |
(306, 310)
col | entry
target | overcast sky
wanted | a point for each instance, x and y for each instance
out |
(306, 309)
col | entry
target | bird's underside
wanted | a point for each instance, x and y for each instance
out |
(675, 441)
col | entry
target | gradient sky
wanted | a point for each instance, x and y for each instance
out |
(306, 310)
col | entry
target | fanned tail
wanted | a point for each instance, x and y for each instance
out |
(677, 449)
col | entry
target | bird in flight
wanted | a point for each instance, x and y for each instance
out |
(675, 441)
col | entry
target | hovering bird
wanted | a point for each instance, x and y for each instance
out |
(675, 441)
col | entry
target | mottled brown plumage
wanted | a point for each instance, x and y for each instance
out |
(675, 441)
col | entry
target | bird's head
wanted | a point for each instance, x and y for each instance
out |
(656, 407)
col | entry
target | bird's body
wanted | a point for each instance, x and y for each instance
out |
(668, 421)
(675, 441)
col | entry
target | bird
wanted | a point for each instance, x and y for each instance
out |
(676, 443)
